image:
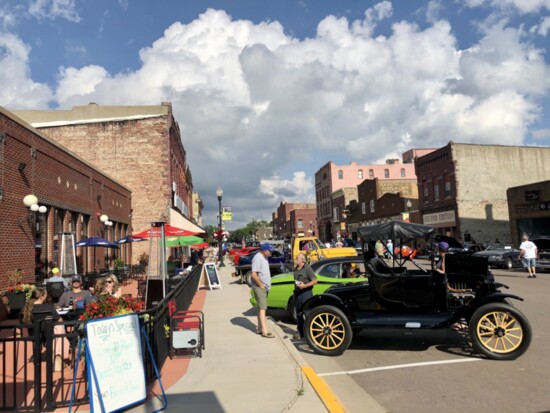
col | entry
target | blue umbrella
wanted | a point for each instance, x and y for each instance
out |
(95, 242)
(129, 238)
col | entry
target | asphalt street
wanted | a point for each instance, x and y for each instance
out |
(436, 371)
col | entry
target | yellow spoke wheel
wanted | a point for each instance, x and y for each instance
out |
(328, 330)
(500, 331)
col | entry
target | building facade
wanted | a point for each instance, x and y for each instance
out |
(303, 222)
(72, 197)
(340, 199)
(462, 187)
(140, 146)
(284, 227)
(529, 210)
(331, 177)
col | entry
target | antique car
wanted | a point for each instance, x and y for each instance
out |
(399, 294)
(331, 271)
(501, 255)
(466, 249)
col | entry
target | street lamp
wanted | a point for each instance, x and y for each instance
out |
(219, 194)
(409, 205)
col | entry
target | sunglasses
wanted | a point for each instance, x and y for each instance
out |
(109, 281)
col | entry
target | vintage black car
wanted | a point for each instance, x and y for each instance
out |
(400, 294)
(543, 247)
(501, 255)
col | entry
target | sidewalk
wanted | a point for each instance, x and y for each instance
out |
(241, 371)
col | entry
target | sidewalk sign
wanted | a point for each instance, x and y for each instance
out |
(113, 354)
(210, 277)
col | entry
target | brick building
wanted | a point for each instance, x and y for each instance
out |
(330, 178)
(529, 210)
(462, 187)
(73, 193)
(140, 146)
(340, 199)
(285, 226)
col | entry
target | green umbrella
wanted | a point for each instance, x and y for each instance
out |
(183, 241)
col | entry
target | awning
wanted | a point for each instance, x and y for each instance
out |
(178, 220)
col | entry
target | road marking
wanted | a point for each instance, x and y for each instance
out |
(397, 366)
(330, 400)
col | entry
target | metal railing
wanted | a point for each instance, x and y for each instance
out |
(28, 382)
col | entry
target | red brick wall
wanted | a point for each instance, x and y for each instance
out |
(59, 180)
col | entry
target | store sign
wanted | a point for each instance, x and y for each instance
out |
(531, 195)
(446, 217)
(226, 213)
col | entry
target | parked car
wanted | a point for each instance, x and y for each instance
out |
(348, 242)
(243, 251)
(466, 249)
(543, 247)
(329, 272)
(278, 263)
(501, 255)
(402, 297)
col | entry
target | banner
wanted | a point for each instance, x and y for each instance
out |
(226, 214)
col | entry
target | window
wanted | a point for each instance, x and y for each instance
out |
(403, 175)
(335, 214)
(436, 192)
(386, 173)
(426, 192)
(300, 223)
(448, 188)
(371, 173)
(372, 205)
(363, 208)
(360, 174)
(340, 174)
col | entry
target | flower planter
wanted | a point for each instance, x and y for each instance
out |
(17, 302)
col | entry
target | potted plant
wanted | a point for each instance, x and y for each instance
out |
(18, 292)
(110, 306)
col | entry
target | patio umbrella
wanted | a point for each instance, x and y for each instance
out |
(95, 242)
(200, 246)
(169, 231)
(130, 238)
(183, 241)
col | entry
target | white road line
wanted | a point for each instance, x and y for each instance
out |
(397, 366)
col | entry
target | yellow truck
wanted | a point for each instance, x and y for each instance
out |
(315, 250)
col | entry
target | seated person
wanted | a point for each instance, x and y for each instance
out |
(104, 286)
(76, 296)
(55, 276)
(37, 308)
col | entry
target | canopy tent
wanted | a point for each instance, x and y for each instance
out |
(130, 238)
(169, 231)
(394, 230)
(95, 242)
(183, 241)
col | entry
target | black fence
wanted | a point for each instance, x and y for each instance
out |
(28, 380)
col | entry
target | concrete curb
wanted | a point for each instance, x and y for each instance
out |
(323, 390)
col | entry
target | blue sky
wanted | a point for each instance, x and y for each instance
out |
(266, 92)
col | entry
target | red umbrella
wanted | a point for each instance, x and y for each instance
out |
(169, 231)
(200, 246)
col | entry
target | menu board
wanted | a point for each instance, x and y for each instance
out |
(212, 276)
(113, 351)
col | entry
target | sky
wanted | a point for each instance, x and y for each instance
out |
(267, 92)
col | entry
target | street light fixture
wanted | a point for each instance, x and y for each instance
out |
(409, 205)
(219, 194)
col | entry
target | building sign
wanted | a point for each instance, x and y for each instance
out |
(531, 195)
(446, 217)
(226, 213)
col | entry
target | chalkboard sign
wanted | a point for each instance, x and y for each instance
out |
(212, 276)
(116, 375)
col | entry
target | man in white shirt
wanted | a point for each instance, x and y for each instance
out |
(261, 284)
(528, 254)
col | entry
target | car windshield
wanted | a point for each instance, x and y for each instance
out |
(330, 270)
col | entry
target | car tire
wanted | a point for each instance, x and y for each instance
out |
(327, 330)
(292, 310)
(508, 264)
(247, 279)
(500, 331)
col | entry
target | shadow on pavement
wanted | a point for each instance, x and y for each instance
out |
(244, 322)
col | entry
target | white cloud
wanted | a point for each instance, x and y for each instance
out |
(53, 9)
(17, 88)
(541, 134)
(252, 101)
(543, 28)
(524, 6)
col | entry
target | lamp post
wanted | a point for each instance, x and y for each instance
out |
(409, 205)
(219, 194)
(36, 222)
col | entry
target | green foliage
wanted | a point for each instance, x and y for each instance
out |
(118, 263)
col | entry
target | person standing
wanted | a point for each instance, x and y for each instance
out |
(305, 279)
(261, 284)
(389, 249)
(528, 253)
(339, 243)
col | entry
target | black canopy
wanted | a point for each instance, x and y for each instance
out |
(394, 230)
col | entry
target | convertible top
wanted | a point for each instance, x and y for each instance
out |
(394, 230)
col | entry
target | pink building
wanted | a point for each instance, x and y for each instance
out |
(331, 177)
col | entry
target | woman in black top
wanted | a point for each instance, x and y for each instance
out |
(305, 279)
(36, 308)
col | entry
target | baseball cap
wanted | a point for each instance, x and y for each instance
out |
(76, 278)
(443, 246)
(55, 270)
(266, 247)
